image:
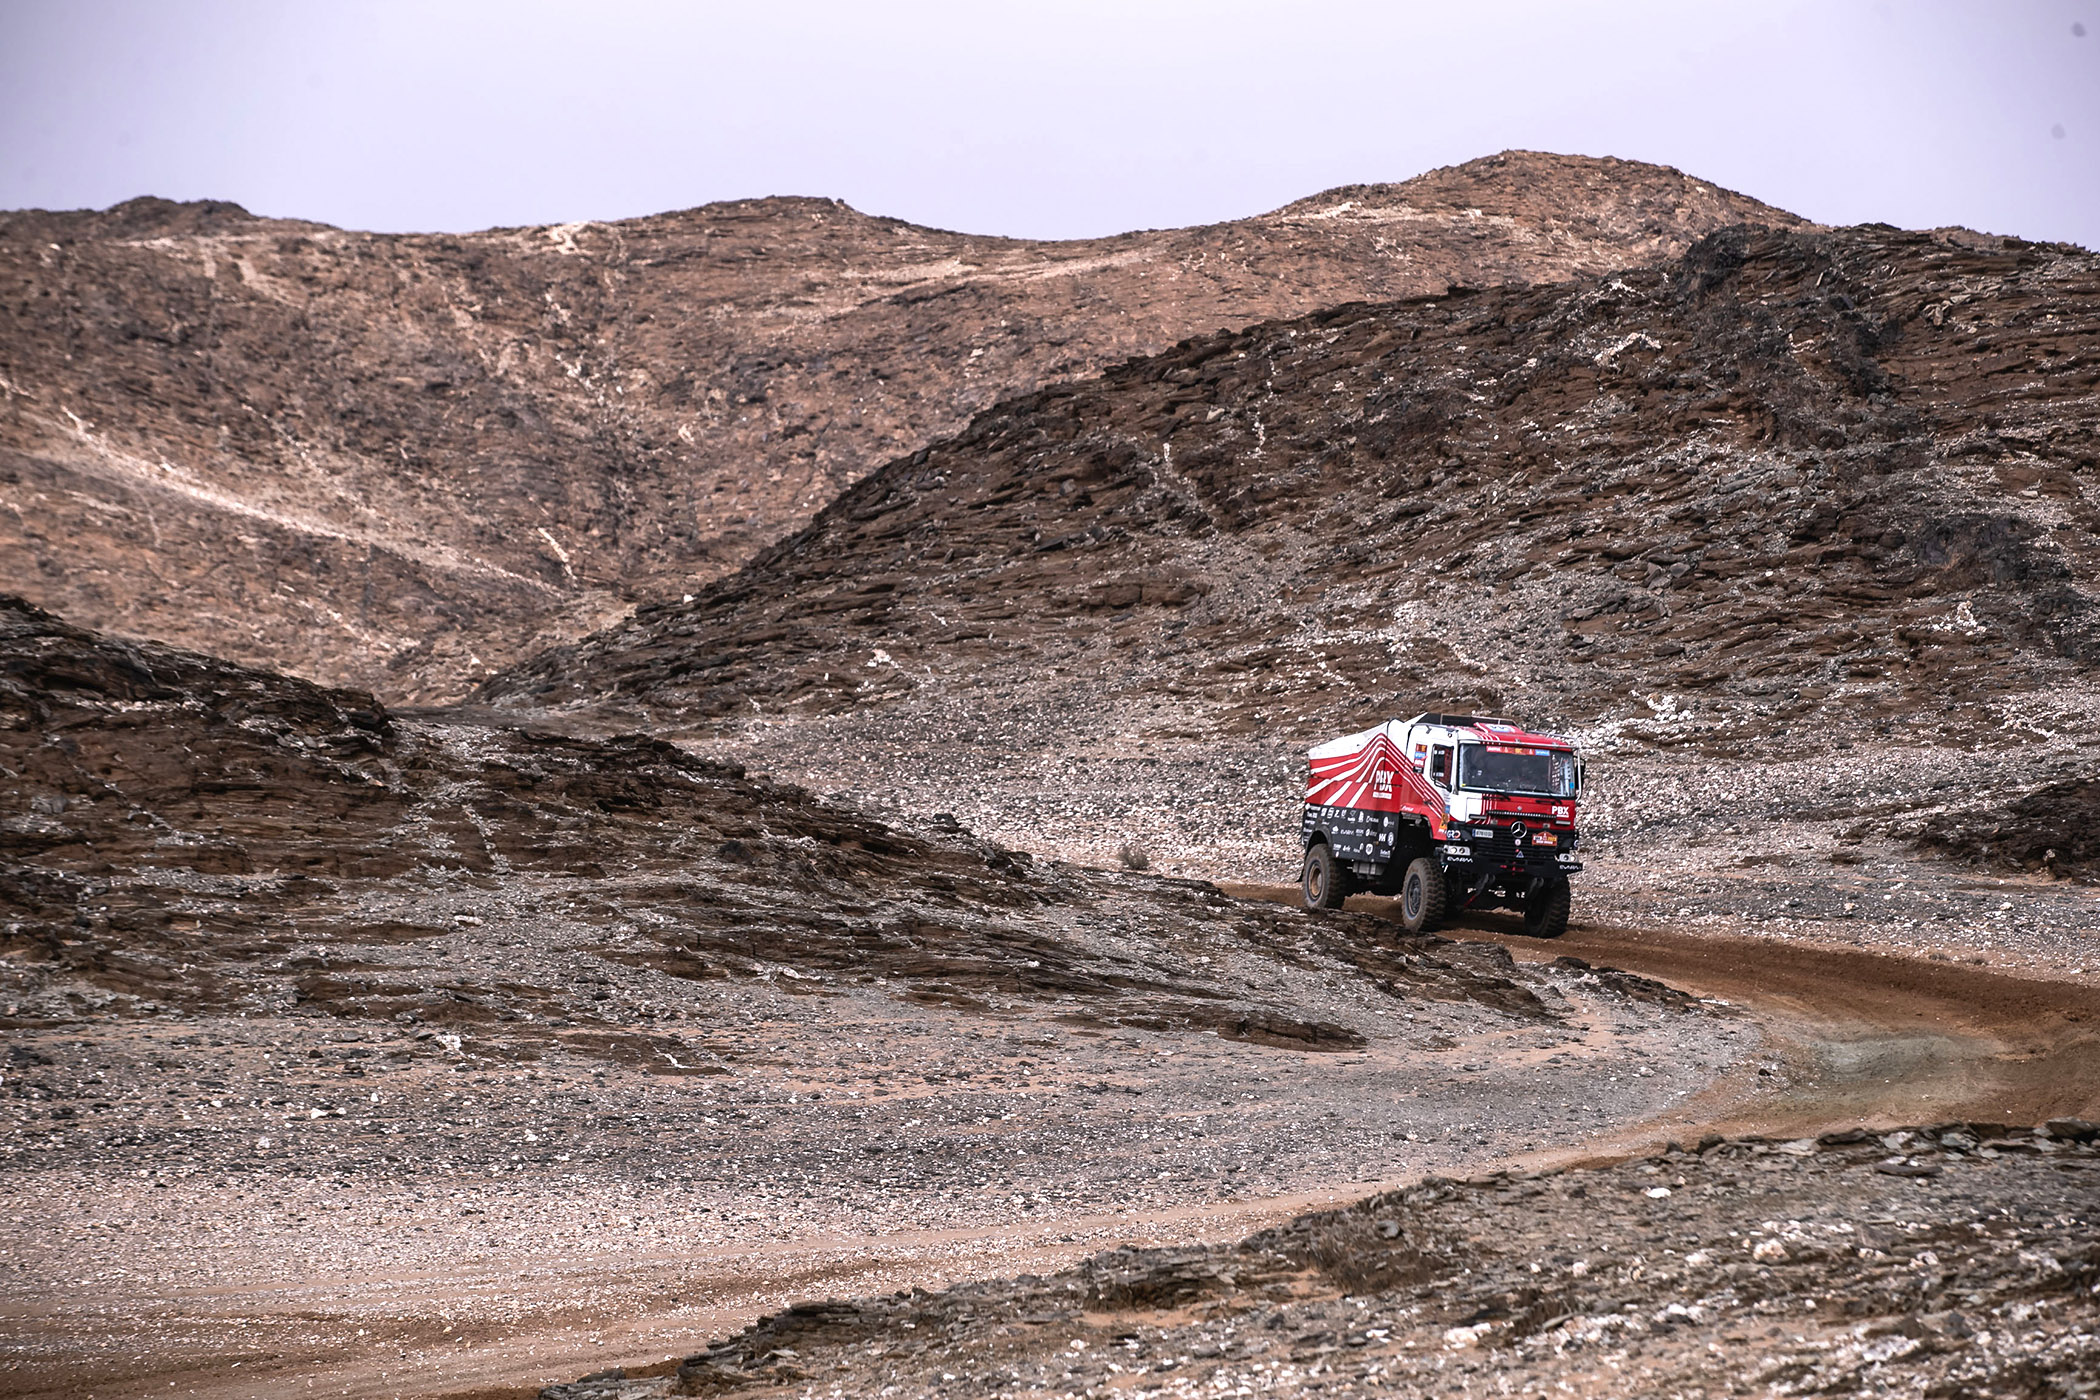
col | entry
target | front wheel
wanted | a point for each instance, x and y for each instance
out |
(1324, 883)
(1422, 895)
(1546, 909)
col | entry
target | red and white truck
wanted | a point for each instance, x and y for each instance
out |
(1446, 812)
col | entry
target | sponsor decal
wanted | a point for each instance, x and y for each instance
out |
(1347, 780)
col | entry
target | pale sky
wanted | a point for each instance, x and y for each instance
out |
(1051, 119)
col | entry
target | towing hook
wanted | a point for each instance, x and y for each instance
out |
(1487, 873)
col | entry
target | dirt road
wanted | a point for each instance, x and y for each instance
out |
(1853, 1039)
(1849, 1038)
(1869, 1039)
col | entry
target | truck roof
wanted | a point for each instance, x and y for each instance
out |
(1485, 728)
(1493, 729)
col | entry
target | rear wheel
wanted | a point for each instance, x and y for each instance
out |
(1422, 895)
(1546, 909)
(1325, 883)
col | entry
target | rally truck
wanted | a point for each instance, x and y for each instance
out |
(1446, 812)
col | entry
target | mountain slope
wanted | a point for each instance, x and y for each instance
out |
(1858, 462)
(1793, 490)
(403, 461)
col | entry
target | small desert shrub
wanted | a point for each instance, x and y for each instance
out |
(1134, 857)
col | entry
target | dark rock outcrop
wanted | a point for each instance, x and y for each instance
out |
(2055, 830)
(177, 832)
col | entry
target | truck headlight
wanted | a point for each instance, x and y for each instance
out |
(1460, 851)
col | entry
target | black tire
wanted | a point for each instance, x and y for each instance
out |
(1546, 912)
(1324, 882)
(1422, 895)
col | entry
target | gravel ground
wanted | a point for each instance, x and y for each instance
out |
(1820, 847)
(270, 1190)
(1924, 1262)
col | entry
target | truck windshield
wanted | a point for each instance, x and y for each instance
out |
(1533, 772)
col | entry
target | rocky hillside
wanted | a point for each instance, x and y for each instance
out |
(179, 834)
(1789, 494)
(1836, 478)
(403, 461)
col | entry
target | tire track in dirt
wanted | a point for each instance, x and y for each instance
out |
(1868, 1039)
(1865, 1039)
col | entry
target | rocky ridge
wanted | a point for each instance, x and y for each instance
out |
(402, 461)
(185, 835)
(1794, 478)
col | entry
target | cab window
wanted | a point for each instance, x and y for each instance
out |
(1440, 766)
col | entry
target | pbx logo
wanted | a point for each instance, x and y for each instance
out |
(1382, 783)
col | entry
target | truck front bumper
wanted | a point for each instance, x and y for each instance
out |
(1505, 857)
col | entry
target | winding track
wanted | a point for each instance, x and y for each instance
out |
(1864, 1039)
(1869, 1039)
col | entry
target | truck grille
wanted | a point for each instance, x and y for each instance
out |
(1496, 846)
(1500, 849)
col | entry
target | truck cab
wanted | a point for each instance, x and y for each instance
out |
(1445, 812)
